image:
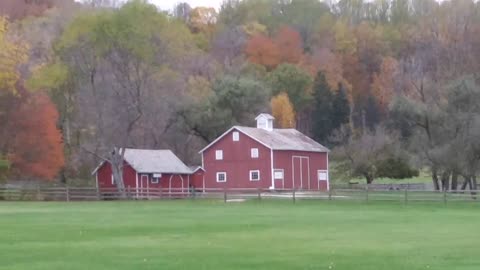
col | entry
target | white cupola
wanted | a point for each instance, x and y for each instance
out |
(265, 121)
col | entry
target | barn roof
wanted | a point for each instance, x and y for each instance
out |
(153, 161)
(278, 139)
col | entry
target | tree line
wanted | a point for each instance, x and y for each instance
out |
(390, 85)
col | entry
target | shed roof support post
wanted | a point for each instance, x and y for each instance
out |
(67, 194)
(271, 170)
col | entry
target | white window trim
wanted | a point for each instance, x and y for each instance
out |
(218, 154)
(113, 180)
(236, 136)
(322, 171)
(218, 174)
(252, 171)
(155, 180)
(252, 151)
(279, 170)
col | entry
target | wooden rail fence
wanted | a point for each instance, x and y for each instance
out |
(231, 195)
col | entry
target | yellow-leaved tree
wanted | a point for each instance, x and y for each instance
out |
(282, 110)
(12, 54)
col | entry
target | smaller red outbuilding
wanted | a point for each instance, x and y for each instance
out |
(151, 169)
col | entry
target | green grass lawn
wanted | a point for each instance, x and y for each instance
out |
(253, 235)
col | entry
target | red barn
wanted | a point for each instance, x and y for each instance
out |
(264, 157)
(145, 169)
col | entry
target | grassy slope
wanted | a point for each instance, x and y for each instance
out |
(212, 235)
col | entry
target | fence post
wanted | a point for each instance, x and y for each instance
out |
(445, 196)
(293, 195)
(406, 195)
(128, 193)
(148, 192)
(160, 192)
(67, 193)
(259, 194)
(366, 190)
(330, 194)
(98, 193)
(225, 196)
(38, 192)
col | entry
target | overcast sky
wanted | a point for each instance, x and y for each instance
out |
(169, 4)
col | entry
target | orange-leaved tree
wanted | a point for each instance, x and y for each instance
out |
(282, 110)
(37, 147)
(262, 50)
(289, 44)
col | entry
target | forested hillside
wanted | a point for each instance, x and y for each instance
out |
(390, 85)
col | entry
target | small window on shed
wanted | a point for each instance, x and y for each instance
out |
(221, 177)
(254, 152)
(219, 154)
(236, 136)
(156, 178)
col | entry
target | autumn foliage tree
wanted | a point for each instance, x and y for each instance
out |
(12, 54)
(285, 47)
(17, 9)
(289, 44)
(282, 110)
(37, 148)
(262, 50)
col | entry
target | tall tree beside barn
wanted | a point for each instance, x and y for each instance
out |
(37, 148)
(293, 81)
(123, 60)
(340, 108)
(232, 101)
(323, 98)
(283, 111)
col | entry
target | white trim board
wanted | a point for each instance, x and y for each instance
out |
(228, 131)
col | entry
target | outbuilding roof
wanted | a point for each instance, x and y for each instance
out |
(154, 161)
(278, 139)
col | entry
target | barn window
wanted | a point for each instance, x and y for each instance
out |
(254, 152)
(156, 178)
(236, 136)
(219, 154)
(278, 174)
(322, 175)
(221, 177)
(255, 175)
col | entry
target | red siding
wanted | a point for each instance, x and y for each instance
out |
(237, 163)
(306, 166)
(104, 175)
(167, 181)
(196, 179)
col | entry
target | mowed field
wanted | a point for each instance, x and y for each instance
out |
(252, 235)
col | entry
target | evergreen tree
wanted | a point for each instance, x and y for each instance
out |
(323, 108)
(372, 113)
(340, 108)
